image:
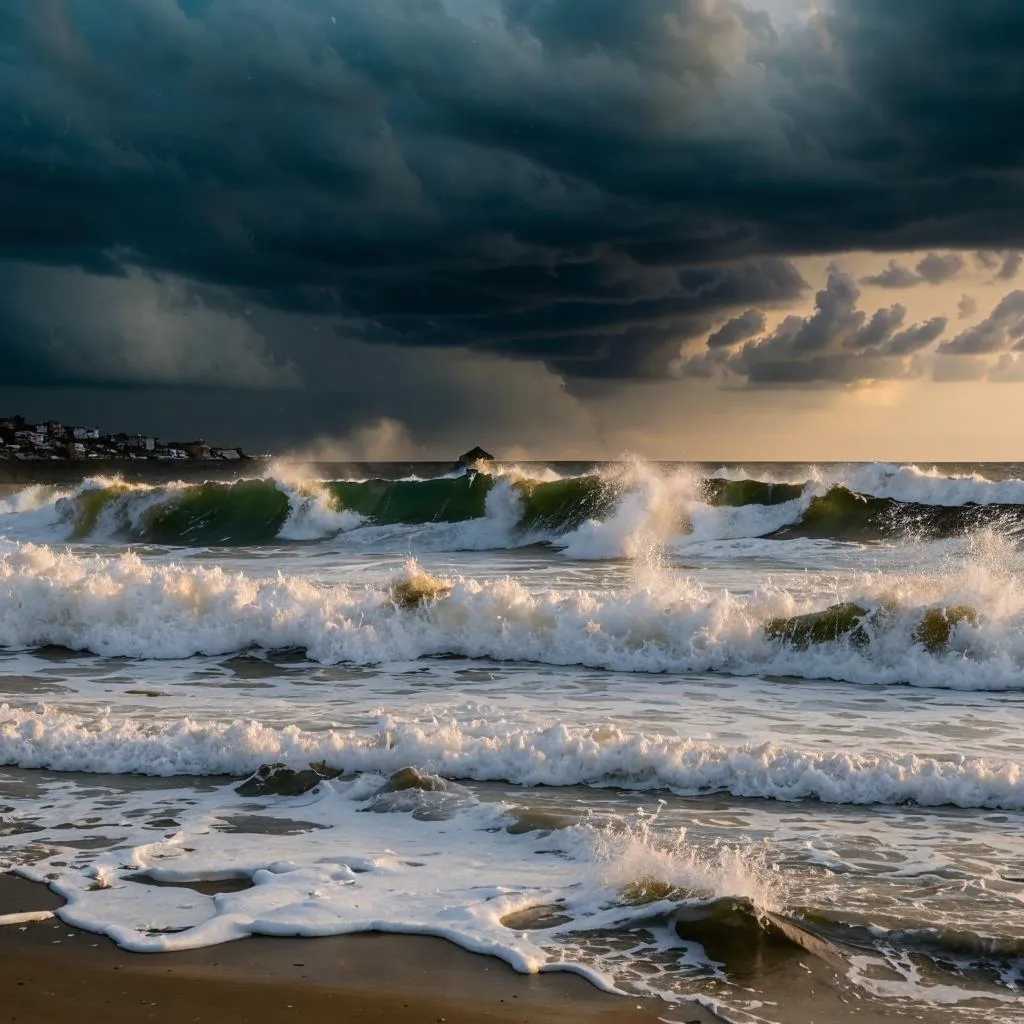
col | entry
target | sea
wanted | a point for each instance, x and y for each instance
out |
(746, 735)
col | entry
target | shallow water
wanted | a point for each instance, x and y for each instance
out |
(624, 772)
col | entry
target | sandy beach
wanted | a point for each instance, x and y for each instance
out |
(55, 973)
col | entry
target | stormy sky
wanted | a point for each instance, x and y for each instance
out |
(680, 228)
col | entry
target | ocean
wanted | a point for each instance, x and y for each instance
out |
(743, 735)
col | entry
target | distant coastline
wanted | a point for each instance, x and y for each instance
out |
(52, 442)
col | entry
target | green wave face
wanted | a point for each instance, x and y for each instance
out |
(859, 626)
(560, 505)
(841, 514)
(415, 502)
(735, 493)
(247, 512)
(251, 512)
(89, 505)
(554, 505)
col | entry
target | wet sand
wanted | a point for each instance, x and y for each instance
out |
(52, 972)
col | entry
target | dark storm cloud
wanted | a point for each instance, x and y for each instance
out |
(935, 268)
(583, 182)
(66, 327)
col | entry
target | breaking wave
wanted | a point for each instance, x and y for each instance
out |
(964, 630)
(491, 752)
(617, 512)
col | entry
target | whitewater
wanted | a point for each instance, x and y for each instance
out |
(711, 733)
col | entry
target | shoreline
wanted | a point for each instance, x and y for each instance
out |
(55, 972)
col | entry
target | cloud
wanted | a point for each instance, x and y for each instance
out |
(936, 268)
(1004, 325)
(837, 343)
(578, 185)
(1008, 369)
(744, 326)
(129, 329)
(808, 348)
(1011, 267)
(879, 329)
(966, 307)
(959, 371)
(895, 275)
(915, 338)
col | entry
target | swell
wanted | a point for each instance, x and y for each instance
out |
(252, 512)
(607, 514)
(841, 514)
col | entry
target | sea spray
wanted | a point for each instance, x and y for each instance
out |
(314, 513)
(642, 864)
(624, 511)
(650, 508)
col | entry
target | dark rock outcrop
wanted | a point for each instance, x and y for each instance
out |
(279, 780)
(841, 620)
(475, 455)
(412, 778)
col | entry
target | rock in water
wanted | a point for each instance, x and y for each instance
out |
(417, 587)
(413, 778)
(834, 623)
(934, 629)
(280, 780)
(475, 455)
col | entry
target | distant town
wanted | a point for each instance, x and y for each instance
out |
(31, 441)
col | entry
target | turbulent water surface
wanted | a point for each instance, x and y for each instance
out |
(700, 732)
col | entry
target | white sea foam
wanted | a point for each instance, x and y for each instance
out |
(128, 607)
(313, 514)
(652, 508)
(931, 486)
(30, 499)
(330, 869)
(743, 522)
(32, 513)
(493, 751)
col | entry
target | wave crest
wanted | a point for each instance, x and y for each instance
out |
(888, 630)
(622, 511)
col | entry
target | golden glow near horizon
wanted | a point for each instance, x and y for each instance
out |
(924, 418)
